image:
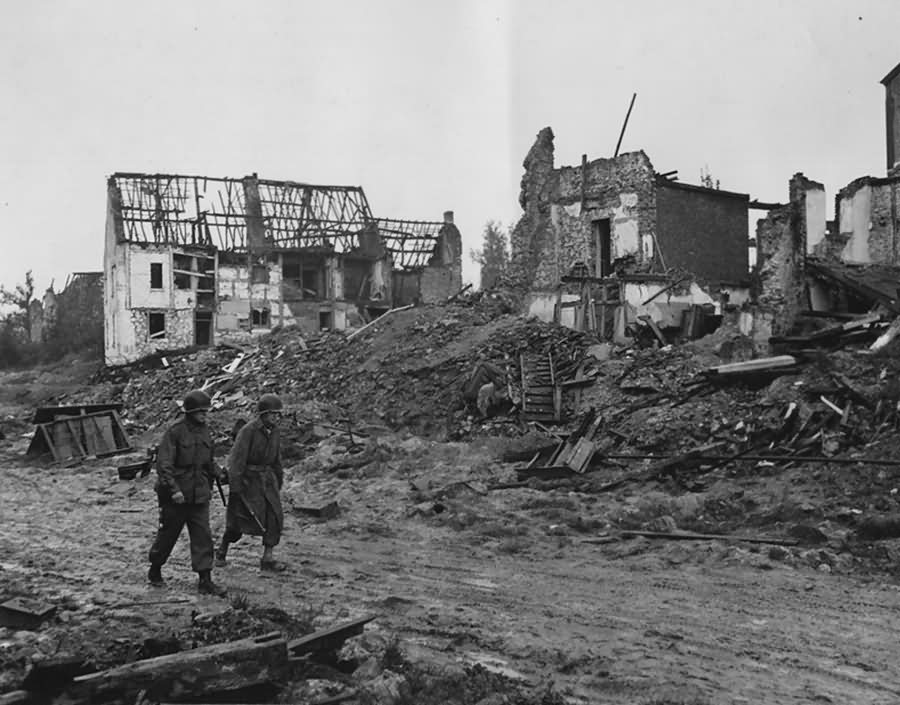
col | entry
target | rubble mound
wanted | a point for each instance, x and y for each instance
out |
(406, 370)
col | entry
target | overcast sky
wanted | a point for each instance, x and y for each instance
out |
(429, 106)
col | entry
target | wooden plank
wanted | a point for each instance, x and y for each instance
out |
(188, 674)
(655, 328)
(328, 639)
(759, 365)
(76, 435)
(104, 425)
(691, 536)
(62, 440)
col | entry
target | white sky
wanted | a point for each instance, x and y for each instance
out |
(430, 106)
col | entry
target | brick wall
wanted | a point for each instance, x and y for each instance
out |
(703, 231)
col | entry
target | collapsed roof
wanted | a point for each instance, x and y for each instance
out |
(226, 213)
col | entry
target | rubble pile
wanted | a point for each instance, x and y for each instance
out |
(405, 371)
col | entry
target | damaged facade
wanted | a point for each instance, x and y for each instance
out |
(848, 264)
(621, 230)
(193, 260)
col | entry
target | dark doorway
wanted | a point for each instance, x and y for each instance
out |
(325, 320)
(202, 327)
(603, 244)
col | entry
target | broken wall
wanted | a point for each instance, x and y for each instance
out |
(78, 320)
(566, 211)
(867, 227)
(781, 241)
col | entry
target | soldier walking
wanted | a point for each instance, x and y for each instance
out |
(185, 474)
(255, 477)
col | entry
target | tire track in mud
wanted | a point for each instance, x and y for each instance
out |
(697, 612)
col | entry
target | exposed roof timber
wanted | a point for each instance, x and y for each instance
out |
(210, 211)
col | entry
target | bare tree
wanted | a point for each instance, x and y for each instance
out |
(493, 256)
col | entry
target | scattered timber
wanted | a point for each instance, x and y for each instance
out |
(690, 536)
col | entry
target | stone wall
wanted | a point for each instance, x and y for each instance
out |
(557, 229)
(781, 243)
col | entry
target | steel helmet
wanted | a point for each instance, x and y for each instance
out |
(196, 401)
(269, 402)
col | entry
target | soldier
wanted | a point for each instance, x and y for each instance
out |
(255, 477)
(186, 471)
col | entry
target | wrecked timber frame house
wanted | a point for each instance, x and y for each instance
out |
(195, 260)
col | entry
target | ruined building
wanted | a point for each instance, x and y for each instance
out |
(848, 264)
(193, 260)
(596, 241)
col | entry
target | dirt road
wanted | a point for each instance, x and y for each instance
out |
(477, 582)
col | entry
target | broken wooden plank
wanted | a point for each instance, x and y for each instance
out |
(691, 536)
(328, 639)
(187, 674)
(762, 364)
(885, 338)
(375, 320)
(549, 472)
(655, 328)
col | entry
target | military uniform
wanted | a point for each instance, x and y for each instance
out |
(185, 464)
(255, 476)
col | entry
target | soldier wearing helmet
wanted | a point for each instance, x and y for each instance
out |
(255, 477)
(185, 474)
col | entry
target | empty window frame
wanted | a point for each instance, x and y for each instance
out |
(156, 326)
(156, 275)
(259, 274)
(259, 317)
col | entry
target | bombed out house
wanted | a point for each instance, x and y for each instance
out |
(599, 244)
(848, 264)
(194, 260)
(612, 244)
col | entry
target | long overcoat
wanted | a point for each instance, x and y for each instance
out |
(255, 474)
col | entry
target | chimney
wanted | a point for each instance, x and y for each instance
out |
(448, 217)
(891, 84)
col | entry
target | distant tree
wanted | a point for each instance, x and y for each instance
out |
(493, 256)
(15, 325)
(20, 298)
(706, 178)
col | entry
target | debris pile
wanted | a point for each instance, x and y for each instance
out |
(407, 371)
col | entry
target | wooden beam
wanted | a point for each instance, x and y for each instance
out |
(328, 639)
(188, 674)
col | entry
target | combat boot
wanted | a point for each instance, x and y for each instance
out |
(154, 576)
(206, 586)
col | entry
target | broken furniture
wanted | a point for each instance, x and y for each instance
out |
(76, 432)
(572, 456)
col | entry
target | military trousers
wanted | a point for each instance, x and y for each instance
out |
(172, 518)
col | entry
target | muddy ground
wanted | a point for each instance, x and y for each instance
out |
(516, 595)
